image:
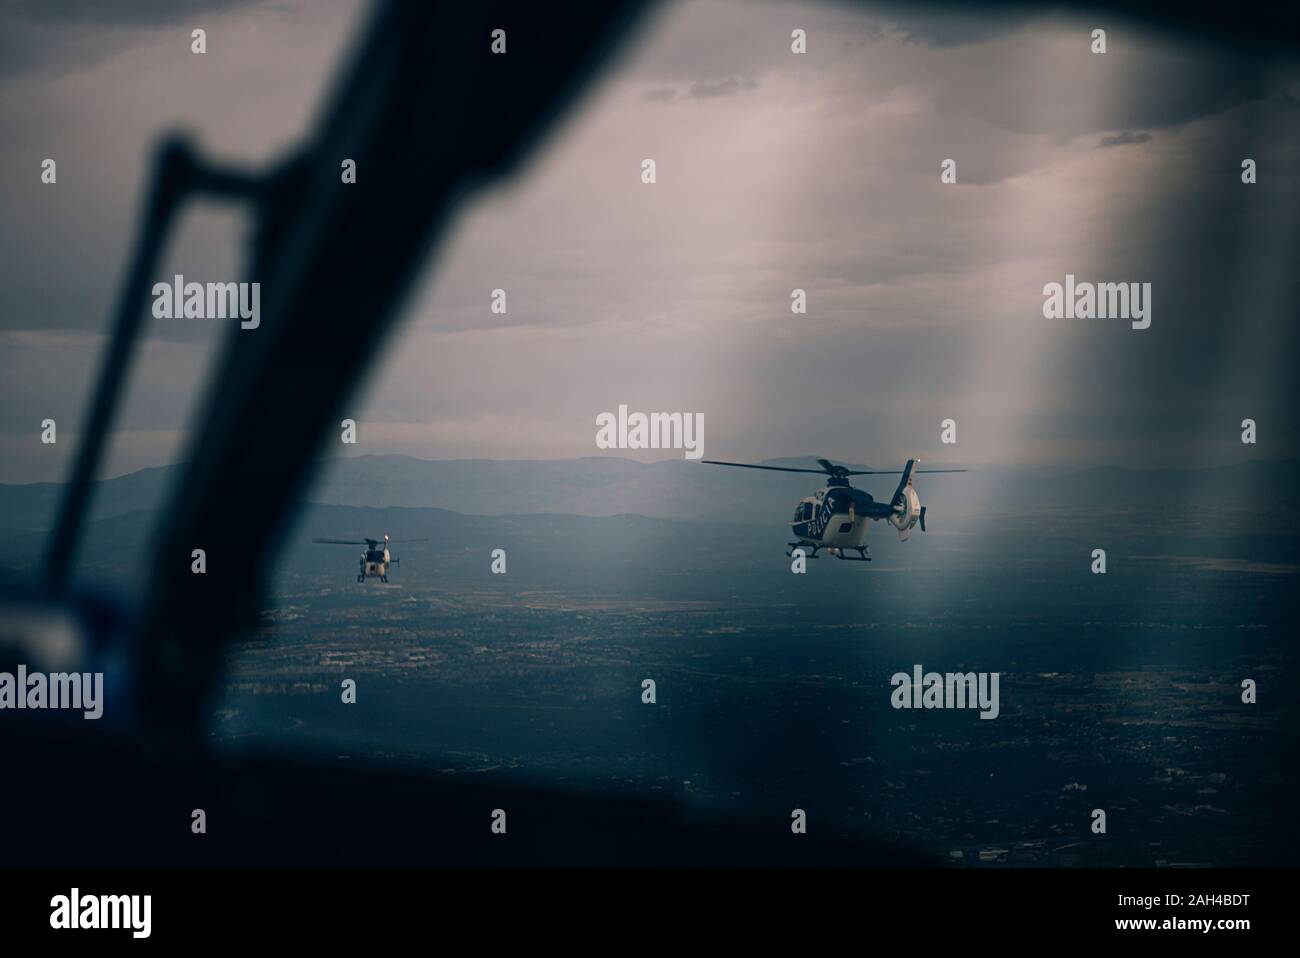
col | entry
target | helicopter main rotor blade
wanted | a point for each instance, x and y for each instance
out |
(408, 540)
(896, 472)
(343, 542)
(746, 465)
(829, 469)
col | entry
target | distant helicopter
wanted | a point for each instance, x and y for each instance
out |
(374, 561)
(834, 518)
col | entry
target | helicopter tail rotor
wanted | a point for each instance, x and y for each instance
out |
(906, 504)
(903, 483)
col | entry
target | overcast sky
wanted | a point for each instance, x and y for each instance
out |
(775, 171)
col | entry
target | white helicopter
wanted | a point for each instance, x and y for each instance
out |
(835, 517)
(374, 560)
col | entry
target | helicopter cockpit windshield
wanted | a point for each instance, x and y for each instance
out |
(374, 555)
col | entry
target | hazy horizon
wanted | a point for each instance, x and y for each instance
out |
(1057, 467)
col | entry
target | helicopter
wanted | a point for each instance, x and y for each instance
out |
(834, 517)
(374, 560)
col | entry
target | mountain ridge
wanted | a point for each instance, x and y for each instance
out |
(679, 489)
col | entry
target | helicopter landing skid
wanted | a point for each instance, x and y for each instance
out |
(860, 557)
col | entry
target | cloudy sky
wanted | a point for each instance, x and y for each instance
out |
(819, 171)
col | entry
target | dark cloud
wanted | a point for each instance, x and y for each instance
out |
(1177, 89)
(125, 12)
(872, 33)
(1124, 139)
(66, 36)
(1138, 84)
(944, 26)
(728, 86)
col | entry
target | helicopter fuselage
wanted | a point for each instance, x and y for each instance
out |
(837, 516)
(374, 562)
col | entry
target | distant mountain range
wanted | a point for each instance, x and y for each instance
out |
(615, 525)
(684, 490)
